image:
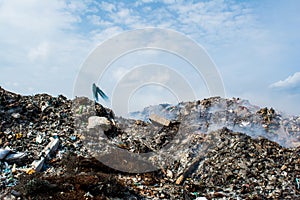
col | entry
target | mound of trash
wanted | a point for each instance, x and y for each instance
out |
(53, 147)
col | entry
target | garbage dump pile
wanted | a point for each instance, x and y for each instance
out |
(52, 147)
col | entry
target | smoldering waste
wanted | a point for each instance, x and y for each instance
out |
(53, 147)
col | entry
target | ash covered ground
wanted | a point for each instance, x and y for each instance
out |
(56, 148)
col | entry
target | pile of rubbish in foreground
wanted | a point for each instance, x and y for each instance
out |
(52, 147)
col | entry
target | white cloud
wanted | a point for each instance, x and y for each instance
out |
(169, 1)
(39, 52)
(39, 47)
(119, 73)
(109, 7)
(215, 22)
(147, 1)
(98, 36)
(290, 82)
(31, 15)
(98, 21)
(77, 6)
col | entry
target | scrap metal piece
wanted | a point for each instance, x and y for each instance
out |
(15, 156)
(4, 153)
(51, 147)
(37, 165)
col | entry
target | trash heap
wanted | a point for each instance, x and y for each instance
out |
(52, 147)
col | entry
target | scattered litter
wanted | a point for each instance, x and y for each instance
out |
(14, 157)
(16, 115)
(39, 139)
(201, 198)
(4, 153)
(210, 149)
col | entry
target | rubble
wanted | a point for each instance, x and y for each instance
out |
(160, 120)
(103, 122)
(52, 147)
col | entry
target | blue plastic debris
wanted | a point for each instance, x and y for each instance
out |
(96, 91)
(298, 183)
(7, 171)
(73, 137)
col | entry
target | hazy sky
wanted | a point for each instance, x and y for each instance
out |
(254, 44)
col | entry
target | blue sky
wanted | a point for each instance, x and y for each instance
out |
(254, 44)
